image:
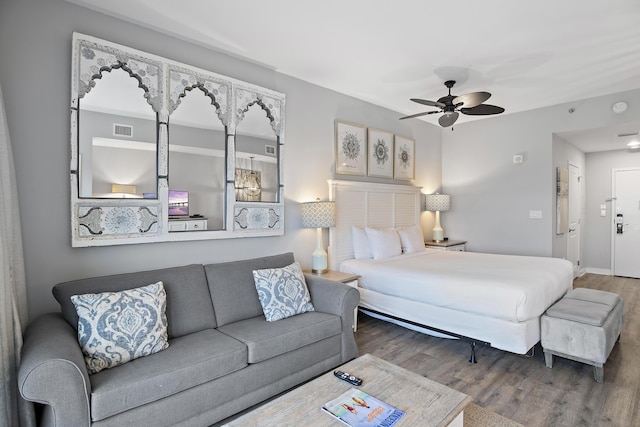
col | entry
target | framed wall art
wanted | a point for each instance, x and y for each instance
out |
(351, 148)
(380, 153)
(404, 158)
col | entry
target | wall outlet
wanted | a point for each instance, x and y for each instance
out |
(535, 214)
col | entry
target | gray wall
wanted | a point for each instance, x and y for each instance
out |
(597, 248)
(492, 197)
(35, 47)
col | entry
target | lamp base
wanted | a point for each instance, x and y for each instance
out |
(438, 235)
(319, 262)
(438, 232)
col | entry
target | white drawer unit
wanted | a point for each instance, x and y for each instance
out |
(447, 245)
(191, 224)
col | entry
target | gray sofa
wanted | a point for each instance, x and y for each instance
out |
(223, 356)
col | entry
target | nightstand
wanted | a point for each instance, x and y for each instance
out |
(447, 245)
(346, 278)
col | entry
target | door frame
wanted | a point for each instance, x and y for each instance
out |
(578, 269)
(612, 225)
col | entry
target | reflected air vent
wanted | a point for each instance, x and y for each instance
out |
(122, 130)
(270, 150)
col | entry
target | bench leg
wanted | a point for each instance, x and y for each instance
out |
(548, 359)
(598, 373)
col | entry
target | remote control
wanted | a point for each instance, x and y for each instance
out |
(348, 378)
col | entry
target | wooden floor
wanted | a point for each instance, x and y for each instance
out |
(520, 387)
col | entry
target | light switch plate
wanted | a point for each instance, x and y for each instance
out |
(535, 214)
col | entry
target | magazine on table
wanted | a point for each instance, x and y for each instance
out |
(356, 408)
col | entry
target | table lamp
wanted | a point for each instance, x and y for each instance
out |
(319, 215)
(437, 203)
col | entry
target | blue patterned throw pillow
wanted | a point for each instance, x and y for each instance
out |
(116, 327)
(282, 291)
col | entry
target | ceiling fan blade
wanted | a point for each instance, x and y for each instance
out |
(448, 119)
(429, 103)
(472, 99)
(482, 110)
(419, 114)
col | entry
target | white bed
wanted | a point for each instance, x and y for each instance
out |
(491, 299)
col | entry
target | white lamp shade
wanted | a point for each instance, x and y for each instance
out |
(319, 214)
(438, 202)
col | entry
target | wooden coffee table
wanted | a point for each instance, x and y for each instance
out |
(426, 403)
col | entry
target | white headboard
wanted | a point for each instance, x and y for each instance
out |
(366, 204)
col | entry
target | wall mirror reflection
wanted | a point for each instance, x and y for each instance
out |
(117, 139)
(164, 151)
(256, 174)
(197, 160)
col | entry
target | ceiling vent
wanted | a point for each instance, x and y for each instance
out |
(122, 130)
(622, 135)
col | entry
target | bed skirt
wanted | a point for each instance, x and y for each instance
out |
(515, 337)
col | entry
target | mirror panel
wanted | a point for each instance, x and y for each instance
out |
(117, 137)
(197, 156)
(256, 173)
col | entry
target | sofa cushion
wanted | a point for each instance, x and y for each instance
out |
(233, 290)
(116, 327)
(189, 360)
(189, 307)
(269, 339)
(282, 291)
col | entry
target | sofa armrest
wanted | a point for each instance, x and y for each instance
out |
(53, 371)
(332, 297)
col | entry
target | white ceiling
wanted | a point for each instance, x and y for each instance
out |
(527, 54)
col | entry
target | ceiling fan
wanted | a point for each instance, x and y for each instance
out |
(450, 105)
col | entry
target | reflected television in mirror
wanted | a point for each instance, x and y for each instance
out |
(178, 203)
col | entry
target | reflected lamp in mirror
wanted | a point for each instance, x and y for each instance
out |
(124, 190)
(437, 203)
(319, 215)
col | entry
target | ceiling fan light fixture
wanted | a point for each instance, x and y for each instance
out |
(451, 106)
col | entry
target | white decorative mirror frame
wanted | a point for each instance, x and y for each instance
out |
(116, 221)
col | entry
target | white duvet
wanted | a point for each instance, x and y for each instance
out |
(509, 287)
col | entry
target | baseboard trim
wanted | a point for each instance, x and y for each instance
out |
(601, 271)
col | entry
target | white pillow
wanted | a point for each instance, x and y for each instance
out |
(384, 242)
(360, 241)
(116, 327)
(411, 239)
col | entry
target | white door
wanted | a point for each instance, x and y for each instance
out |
(626, 222)
(573, 236)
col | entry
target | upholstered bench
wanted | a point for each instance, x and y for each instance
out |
(583, 326)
